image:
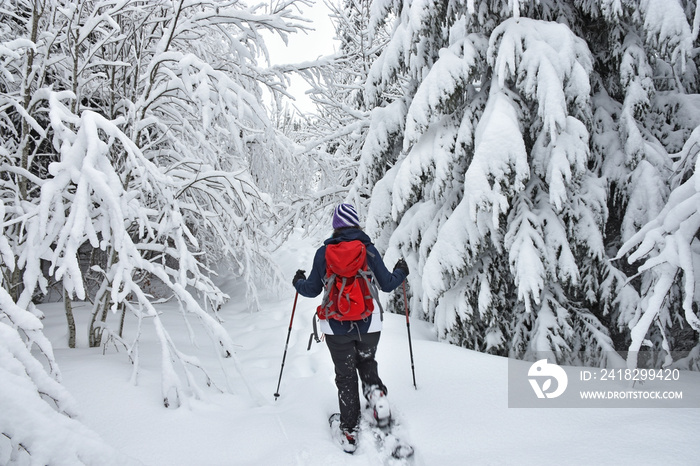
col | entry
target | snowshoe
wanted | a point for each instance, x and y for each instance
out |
(379, 404)
(347, 439)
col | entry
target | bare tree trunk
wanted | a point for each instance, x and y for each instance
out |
(103, 299)
(15, 284)
(95, 333)
(121, 322)
(26, 99)
(68, 305)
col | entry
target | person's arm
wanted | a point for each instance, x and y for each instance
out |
(312, 286)
(387, 281)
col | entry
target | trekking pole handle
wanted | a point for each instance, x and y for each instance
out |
(294, 307)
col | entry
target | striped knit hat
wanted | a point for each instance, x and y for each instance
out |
(345, 215)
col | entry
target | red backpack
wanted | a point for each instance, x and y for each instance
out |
(348, 288)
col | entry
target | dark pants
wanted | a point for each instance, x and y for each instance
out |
(353, 354)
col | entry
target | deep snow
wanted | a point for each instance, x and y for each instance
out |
(458, 415)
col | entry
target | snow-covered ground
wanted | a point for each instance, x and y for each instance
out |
(458, 415)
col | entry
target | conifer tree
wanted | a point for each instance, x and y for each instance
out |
(528, 141)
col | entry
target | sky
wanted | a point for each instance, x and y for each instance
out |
(303, 47)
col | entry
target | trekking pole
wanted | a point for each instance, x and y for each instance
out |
(277, 393)
(408, 329)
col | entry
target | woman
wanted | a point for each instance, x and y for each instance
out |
(352, 343)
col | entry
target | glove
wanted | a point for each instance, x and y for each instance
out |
(401, 265)
(300, 275)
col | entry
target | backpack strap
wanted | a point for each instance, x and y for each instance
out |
(314, 333)
(326, 301)
(343, 282)
(367, 276)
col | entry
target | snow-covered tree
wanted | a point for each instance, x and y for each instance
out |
(138, 159)
(331, 139)
(38, 414)
(528, 142)
(671, 241)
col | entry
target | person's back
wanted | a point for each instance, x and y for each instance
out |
(352, 335)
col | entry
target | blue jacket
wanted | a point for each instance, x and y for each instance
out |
(313, 285)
